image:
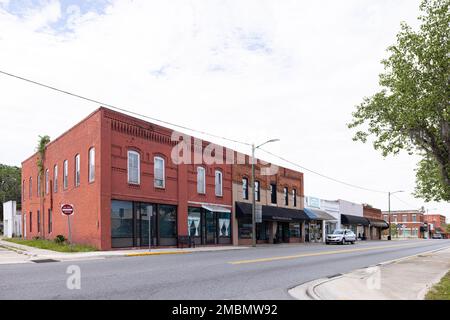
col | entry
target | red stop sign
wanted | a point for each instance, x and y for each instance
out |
(67, 209)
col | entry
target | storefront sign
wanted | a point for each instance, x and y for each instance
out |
(314, 202)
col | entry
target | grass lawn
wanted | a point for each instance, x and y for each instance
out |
(440, 291)
(51, 245)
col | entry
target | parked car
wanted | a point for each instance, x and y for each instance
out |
(437, 236)
(341, 237)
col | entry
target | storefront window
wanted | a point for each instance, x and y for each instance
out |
(245, 229)
(294, 230)
(167, 225)
(122, 224)
(194, 222)
(224, 224)
(262, 231)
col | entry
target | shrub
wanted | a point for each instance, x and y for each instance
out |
(60, 239)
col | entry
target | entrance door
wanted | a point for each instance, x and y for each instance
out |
(210, 227)
(283, 232)
(145, 219)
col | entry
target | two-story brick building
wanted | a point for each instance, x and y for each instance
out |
(408, 223)
(437, 224)
(127, 186)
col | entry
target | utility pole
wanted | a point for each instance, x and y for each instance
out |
(254, 189)
(389, 206)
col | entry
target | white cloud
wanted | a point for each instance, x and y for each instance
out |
(245, 69)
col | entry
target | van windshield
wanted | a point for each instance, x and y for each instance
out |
(338, 232)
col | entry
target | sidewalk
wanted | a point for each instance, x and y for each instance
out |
(40, 254)
(408, 278)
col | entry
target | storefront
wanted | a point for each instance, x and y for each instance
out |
(132, 223)
(376, 228)
(319, 225)
(279, 225)
(209, 225)
(359, 225)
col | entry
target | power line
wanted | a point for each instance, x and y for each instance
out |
(322, 175)
(120, 109)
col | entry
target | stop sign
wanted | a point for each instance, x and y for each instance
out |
(67, 209)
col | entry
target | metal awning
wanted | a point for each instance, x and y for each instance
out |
(316, 214)
(215, 208)
(348, 219)
(378, 223)
(271, 213)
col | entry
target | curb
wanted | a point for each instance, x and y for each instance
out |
(307, 290)
(156, 253)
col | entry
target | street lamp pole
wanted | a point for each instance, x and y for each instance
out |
(389, 212)
(254, 189)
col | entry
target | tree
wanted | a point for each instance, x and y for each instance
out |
(411, 112)
(10, 185)
(41, 150)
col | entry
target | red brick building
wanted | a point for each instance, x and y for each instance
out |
(409, 223)
(376, 222)
(437, 224)
(122, 178)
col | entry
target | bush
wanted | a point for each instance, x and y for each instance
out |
(60, 239)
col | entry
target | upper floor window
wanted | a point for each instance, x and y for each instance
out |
(201, 180)
(245, 188)
(39, 191)
(257, 191)
(160, 180)
(294, 197)
(134, 167)
(219, 181)
(405, 218)
(414, 218)
(30, 191)
(385, 218)
(47, 181)
(77, 170)
(286, 196)
(66, 174)
(91, 164)
(23, 190)
(395, 219)
(273, 193)
(55, 179)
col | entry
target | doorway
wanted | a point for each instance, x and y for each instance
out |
(282, 235)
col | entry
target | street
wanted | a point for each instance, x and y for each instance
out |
(266, 272)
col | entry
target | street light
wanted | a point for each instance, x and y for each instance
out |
(254, 189)
(391, 193)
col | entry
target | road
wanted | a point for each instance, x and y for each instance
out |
(258, 273)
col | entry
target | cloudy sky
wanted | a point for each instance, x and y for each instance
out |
(248, 70)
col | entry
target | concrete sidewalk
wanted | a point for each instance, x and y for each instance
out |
(408, 278)
(38, 254)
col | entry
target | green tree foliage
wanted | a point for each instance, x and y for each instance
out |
(10, 185)
(412, 112)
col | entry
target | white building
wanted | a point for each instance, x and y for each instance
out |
(12, 220)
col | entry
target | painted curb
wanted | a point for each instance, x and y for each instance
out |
(156, 253)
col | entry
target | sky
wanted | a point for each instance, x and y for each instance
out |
(248, 70)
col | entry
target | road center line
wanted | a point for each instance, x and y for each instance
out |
(314, 254)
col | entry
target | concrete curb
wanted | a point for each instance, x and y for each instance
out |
(306, 291)
(157, 253)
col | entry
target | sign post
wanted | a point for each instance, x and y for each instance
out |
(67, 210)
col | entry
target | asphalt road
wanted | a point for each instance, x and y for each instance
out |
(261, 273)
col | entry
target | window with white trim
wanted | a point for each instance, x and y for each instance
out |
(91, 164)
(286, 196)
(77, 170)
(55, 179)
(47, 182)
(159, 171)
(134, 167)
(219, 182)
(294, 197)
(245, 188)
(201, 180)
(66, 174)
(30, 191)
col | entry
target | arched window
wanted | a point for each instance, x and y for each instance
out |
(201, 180)
(219, 183)
(91, 164)
(77, 170)
(55, 179)
(30, 188)
(134, 167)
(245, 188)
(47, 181)
(159, 172)
(66, 174)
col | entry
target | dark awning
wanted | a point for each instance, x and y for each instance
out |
(378, 223)
(269, 213)
(316, 214)
(348, 219)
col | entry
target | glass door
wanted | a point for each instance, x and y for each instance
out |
(145, 220)
(210, 227)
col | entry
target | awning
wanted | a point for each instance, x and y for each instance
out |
(378, 223)
(269, 213)
(348, 219)
(316, 214)
(214, 208)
